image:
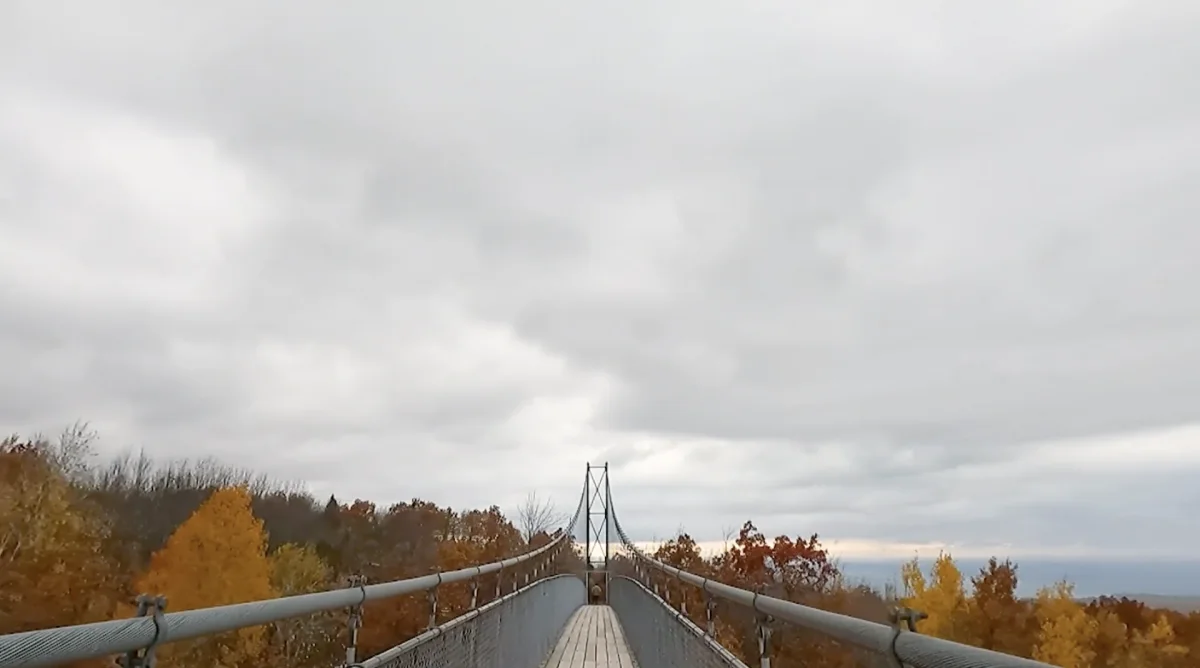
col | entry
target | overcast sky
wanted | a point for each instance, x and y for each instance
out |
(897, 273)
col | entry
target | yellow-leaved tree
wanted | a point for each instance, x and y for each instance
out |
(217, 557)
(302, 641)
(53, 565)
(1066, 633)
(1111, 644)
(941, 597)
(1156, 646)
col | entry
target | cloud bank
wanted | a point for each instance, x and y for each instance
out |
(897, 276)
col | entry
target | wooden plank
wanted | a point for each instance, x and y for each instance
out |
(623, 655)
(563, 652)
(593, 638)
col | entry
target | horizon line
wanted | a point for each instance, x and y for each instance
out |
(858, 549)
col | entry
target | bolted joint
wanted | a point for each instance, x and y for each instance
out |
(148, 606)
(905, 619)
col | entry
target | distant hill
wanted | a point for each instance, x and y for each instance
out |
(1178, 582)
(1176, 603)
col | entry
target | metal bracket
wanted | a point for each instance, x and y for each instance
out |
(153, 607)
(904, 620)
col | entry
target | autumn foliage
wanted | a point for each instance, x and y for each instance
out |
(78, 543)
(983, 610)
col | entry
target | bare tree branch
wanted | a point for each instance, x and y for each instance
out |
(536, 516)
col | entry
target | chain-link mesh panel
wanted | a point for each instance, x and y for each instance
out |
(660, 637)
(516, 631)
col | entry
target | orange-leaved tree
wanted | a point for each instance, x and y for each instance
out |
(683, 553)
(53, 566)
(409, 539)
(795, 569)
(217, 557)
(997, 619)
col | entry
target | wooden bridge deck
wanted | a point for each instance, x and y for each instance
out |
(592, 639)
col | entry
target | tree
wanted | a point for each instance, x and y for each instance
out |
(795, 569)
(996, 618)
(941, 597)
(303, 641)
(53, 565)
(683, 553)
(1066, 632)
(1156, 646)
(535, 516)
(216, 557)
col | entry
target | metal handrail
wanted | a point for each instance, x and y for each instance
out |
(903, 647)
(47, 647)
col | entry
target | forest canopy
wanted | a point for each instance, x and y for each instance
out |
(79, 538)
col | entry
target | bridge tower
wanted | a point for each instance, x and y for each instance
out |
(597, 547)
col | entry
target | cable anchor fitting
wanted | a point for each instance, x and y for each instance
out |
(148, 606)
(904, 620)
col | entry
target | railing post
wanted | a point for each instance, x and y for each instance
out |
(354, 621)
(432, 595)
(763, 627)
(710, 605)
(682, 595)
(499, 583)
(152, 606)
(474, 592)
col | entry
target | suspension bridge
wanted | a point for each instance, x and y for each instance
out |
(604, 619)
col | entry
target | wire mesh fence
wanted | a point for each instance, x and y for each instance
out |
(661, 637)
(516, 631)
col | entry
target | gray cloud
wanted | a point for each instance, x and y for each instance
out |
(848, 269)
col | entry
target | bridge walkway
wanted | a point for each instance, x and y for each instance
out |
(592, 638)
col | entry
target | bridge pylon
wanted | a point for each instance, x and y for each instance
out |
(597, 546)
